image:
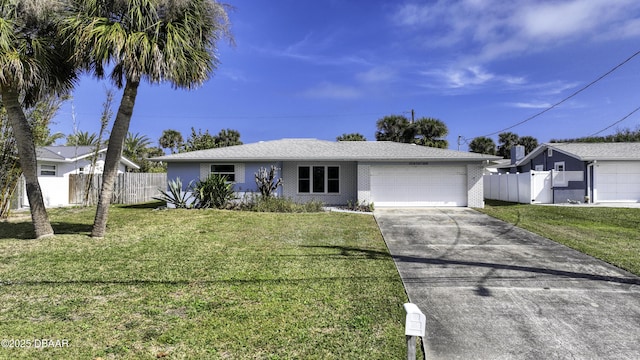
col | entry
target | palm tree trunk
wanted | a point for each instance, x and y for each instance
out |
(27, 154)
(114, 153)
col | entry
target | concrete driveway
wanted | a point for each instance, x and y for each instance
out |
(490, 290)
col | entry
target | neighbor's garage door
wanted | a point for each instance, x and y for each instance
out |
(393, 185)
(618, 181)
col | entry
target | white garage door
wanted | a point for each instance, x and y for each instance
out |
(393, 185)
(617, 181)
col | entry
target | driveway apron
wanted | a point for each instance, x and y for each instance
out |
(491, 290)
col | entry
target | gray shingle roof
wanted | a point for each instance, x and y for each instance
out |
(318, 150)
(62, 153)
(600, 151)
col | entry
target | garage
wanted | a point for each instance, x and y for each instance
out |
(617, 181)
(416, 185)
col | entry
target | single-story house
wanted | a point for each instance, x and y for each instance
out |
(596, 172)
(336, 173)
(56, 163)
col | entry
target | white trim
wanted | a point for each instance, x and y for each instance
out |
(55, 170)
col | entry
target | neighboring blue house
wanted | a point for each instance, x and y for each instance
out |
(336, 173)
(596, 172)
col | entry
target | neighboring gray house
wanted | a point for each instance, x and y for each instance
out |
(336, 173)
(599, 172)
(56, 163)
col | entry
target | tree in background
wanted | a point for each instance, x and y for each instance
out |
(171, 139)
(394, 128)
(82, 138)
(33, 63)
(149, 40)
(424, 131)
(529, 143)
(227, 137)
(351, 137)
(137, 149)
(40, 118)
(204, 141)
(506, 141)
(621, 135)
(483, 145)
(430, 132)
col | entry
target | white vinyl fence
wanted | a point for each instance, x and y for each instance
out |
(526, 188)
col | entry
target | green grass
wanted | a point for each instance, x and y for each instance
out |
(609, 234)
(202, 284)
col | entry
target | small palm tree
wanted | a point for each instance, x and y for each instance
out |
(82, 138)
(171, 139)
(32, 63)
(394, 128)
(152, 40)
(135, 146)
(431, 132)
(483, 145)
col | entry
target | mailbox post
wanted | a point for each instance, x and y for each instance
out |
(415, 325)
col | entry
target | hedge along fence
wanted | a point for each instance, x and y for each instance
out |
(129, 188)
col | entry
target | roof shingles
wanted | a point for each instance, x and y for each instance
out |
(317, 150)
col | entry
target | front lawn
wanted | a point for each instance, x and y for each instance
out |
(201, 284)
(610, 234)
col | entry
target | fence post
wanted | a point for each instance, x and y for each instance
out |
(415, 325)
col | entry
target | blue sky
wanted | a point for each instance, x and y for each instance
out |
(323, 68)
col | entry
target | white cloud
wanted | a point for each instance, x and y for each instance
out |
(470, 77)
(530, 105)
(328, 90)
(491, 29)
(376, 75)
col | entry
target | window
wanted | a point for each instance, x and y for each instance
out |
(48, 170)
(319, 179)
(304, 179)
(226, 170)
(549, 152)
(559, 178)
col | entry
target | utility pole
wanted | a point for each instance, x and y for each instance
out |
(413, 115)
(459, 139)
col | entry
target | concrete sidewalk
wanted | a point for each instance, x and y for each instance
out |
(490, 290)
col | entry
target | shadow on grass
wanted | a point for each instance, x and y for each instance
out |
(24, 230)
(498, 203)
(147, 205)
(190, 282)
(348, 251)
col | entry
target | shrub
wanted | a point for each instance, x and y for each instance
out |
(214, 192)
(175, 196)
(261, 203)
(266, 181)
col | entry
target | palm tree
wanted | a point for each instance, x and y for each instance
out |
(135, 146)
(83, 138)
(351, 137)
(483, 145)
(507, 140)
(152, 40)
(529, 143)
(32, 63)
(228, 137)
(171, 139)
(430, 132)
(394, 128)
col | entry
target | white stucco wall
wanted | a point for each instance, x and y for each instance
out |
(55, 189)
